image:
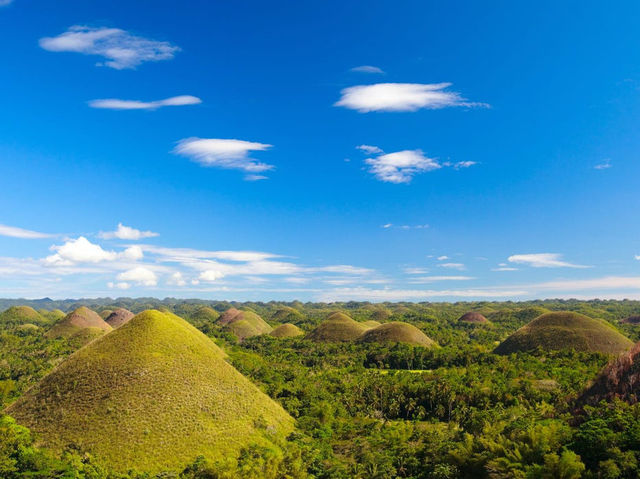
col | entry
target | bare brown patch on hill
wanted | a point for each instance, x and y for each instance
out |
(473, 317)
(119, 317)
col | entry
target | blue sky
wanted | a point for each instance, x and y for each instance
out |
(319, 150)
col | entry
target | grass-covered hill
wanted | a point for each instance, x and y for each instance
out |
(337, 327)
(152, 395)
(286, 330)
(119, 317)
(287, 314)
(205, 314)
(243, 324)
(473, 317)
(82, 324)
(370, 324)
(17, 315)
(105, 313)
(397, 332)
(566, 330)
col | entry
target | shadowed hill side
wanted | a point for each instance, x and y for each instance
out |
(631, 320)
(566, 330)
(397, 332)
(286, 330)
(152, 395)
(337, 327)
(119, 317)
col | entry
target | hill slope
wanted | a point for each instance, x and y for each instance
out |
(82, 324)
(243, 324)
(286, 330)
(566, 330)
(152, 395)
(397, 332)
(119, 317)
(337, 327)
(473, 317)
(16, 315)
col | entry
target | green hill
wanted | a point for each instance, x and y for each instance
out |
(287, 314)
(243, 324)
(82, 325)
(397, 332)
(152, 395)
(566, 330)
(205, 314)
(286, 330)
(337, 327)
(370, 324)
(53, 315)
(119, 317)
(473, 317)
(105, 313)
(16, 315)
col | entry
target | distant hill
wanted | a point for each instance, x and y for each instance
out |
(566, 330)
(205, 314)
(243, 324)
(151, 395)
(287, 314)
(473, 317)
(397, 332)
(631, 320)
(286, 330)
(337, 327)
(119, 317)
(370, 324)
(17, 315)
(82, 325)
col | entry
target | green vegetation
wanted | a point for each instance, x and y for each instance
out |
(286, 330)
(21, 315)
(397, 332)
(152, 395)
(566, 330)
(361, 409)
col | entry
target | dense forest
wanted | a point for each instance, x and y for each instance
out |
(369, 409)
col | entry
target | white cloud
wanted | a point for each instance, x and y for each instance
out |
(367, 69)
(433, 279)
(605, 283)
(211, 275)
(120, 285)
(120, 48)
(504, 268)
(460, 164)
(255, 177)
(116, 104)
(401, 166)
(139, 275)
(542, 260)
(15, 232)
(401, 97)
(228, 154)
(637, 257)
(458, 266)
(442, 258)
(133, 253)
(80, 250)
(416, 270)
(369, 149)
(606, 164)
(365, 294)
(343, 269)
(127, 233)
(176, 279)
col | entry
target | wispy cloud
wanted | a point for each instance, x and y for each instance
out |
(116, 104)
(401, 166)
(369, 149)
(367, 69)
(460, 164)
(366, 294)
(458, 266)
(543, 260)
(402, 97)
(127, 233)
(255, 178)
(604, 165)
(221, 153)
(435, 279)
(120, 48)
(405, 227)
(4, 3)
(412, 270)
(15, 232)
(442, 258)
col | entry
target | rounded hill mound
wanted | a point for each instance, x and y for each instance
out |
(105, 313)
(205, 314)
(17, 315)
(119, 317)
(566, 330)
(370, 324)
(152, 395)
(286, 330)
(397, 332)
(473, 317)
(337, 327)
(243, 324)
(82, 324)
(287, 314)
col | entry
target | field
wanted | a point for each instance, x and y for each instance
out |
(158, 395)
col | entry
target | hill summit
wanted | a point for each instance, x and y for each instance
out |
(243, 324)
(566, 330)
(81, 324)
(17, 315)
(119, 317)
(286, 330)
(337, 327)
(473, 317)
(152, 395)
